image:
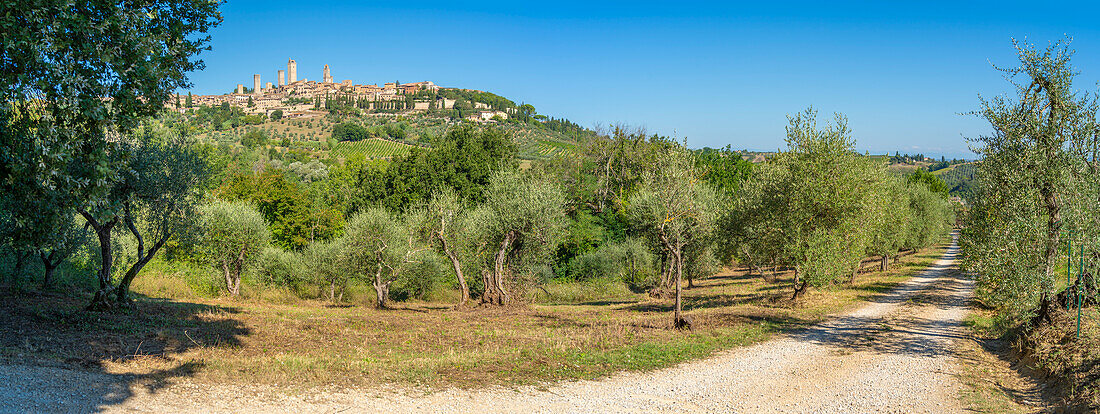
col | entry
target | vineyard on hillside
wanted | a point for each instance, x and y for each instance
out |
(541, 144)
(373, 148)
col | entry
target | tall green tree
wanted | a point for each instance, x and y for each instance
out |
(65, 97)
(1027, 179)
(932, 181)
(463, 160)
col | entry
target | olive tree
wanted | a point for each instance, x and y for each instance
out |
(896, 218)
(931, 216)
(518, 225)
(234, 234)
(378, 246)
(324, 261)
(804, 207)
(165, 183)
(677, 208)
(154, 197)
(445, 227)
(1026, 177)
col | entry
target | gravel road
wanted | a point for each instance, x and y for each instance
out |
(894, 355)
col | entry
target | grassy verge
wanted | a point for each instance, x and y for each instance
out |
(422, 344)
(990, 384)
(1010, 369)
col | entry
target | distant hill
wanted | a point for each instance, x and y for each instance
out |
(310, 134)
(391, 134)
(960, 178)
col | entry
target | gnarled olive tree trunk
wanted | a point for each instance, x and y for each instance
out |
(495, 292)
(122, 292)
(101, 301)
(458, 269)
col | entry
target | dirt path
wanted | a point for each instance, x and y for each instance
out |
(894, 355)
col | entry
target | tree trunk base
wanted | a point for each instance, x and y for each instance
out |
(799, 291)
(684, 323)
(101, 302)
(1045, 312)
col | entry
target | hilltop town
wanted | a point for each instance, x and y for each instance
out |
(303, 98)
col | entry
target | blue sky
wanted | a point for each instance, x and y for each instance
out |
(715, 73)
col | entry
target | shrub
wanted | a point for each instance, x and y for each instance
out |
(424, 280)
(278, 267)
(569, 291)
(629, 261)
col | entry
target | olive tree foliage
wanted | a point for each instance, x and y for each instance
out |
(1029, 178)
(804, 208)
(1082, 209)
(60, 245)
(905, 213)
(893, 221)
(613, 162)
(323, 260)
(677, 208)
(234, 235)
(631, 261)
(931, 216)
(153, 197)
(378, 246)
(518, 226)
(165, 184)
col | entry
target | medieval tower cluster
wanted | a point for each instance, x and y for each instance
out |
(281, 76)
(264, 98)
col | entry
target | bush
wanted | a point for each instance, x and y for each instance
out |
(396, 131)
(568, 291)
(629, 261)
(254, 138)
(278, 267)
(425, 280)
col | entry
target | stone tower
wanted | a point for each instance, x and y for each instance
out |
(292, 69)
(240, 89)
(256, 83)
(328, 76)
(282, 77)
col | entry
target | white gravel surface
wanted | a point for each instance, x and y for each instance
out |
(894, 355)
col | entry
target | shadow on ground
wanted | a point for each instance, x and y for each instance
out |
(906, 330)
(43, 330)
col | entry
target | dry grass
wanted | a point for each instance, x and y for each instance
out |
(421, 344)
(1069, 363)
(1008, 368)
(990, 384)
